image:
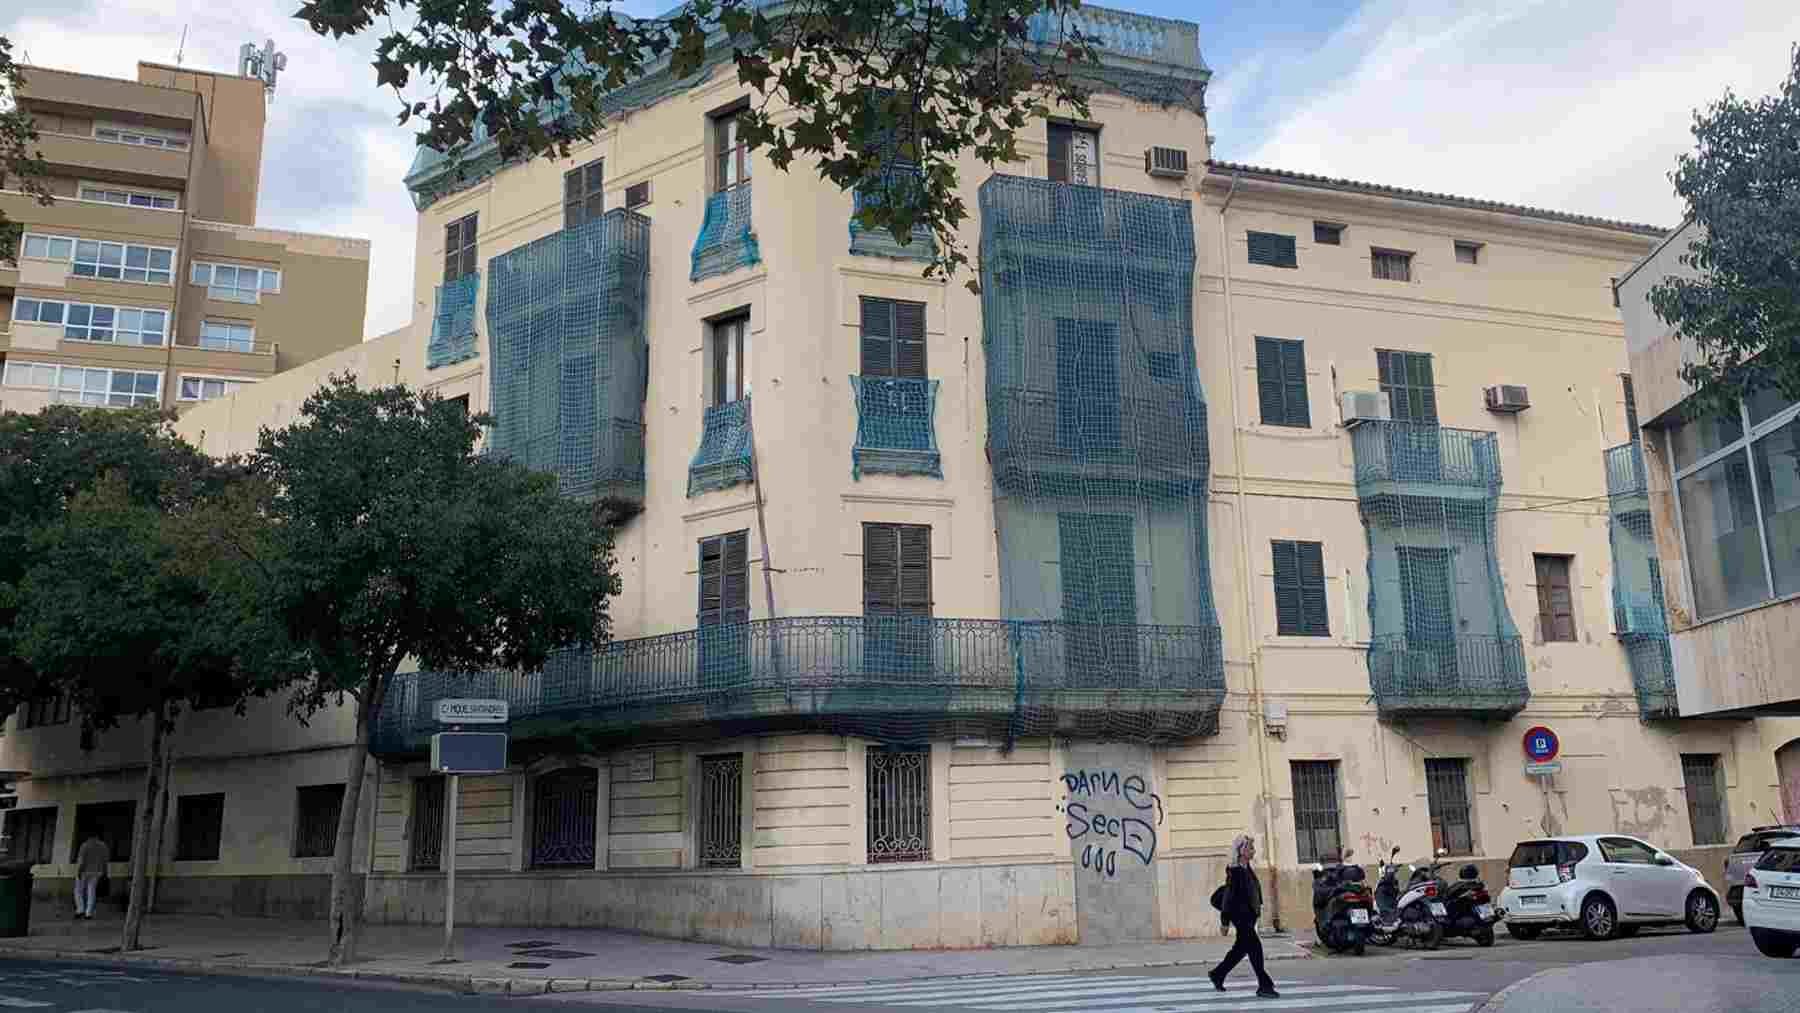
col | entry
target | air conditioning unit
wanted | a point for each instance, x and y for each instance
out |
(1508, 399)
(1168, 163)
(1364, 406)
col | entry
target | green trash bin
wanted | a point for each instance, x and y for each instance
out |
(15, 898)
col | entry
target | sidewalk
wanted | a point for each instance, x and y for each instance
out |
(564, 960)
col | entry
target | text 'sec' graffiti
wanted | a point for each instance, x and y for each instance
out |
(1130, 830)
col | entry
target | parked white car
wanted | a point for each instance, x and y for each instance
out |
(1772, 898)
(1604, 884)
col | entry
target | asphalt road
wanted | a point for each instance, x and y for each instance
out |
(1666, 969)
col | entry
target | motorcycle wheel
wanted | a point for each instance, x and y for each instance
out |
(1484, 937)
(1435, 937)
(1357, 949)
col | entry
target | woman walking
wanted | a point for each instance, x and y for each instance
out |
(1240, 908)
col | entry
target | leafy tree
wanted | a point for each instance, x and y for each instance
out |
(388, 537)
(845, 82)
(49, 457)
(121, 613)
(1742, 188)
(21, 165)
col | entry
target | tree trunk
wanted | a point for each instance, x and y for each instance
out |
(162, 811)
(140, 838)
(346, 902)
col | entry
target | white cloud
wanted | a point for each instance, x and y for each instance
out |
(1570, 105)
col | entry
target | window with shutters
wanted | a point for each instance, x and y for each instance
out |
(1272, 249)
(724, 607)
(729, 378)
(897, 629)
(32, 833)
(427, 854)
(1074, 154)
(1631, 415)
(1407, 381)
(1328, 233)
(1317, 833)
(1300, 589)
(584, 197)
(1098, 562)
(459, 248)
(199, 823)
(1706, 803)
(1556, 605)
(1390, 265)
(1447, 798)
(1281, 382)
(316, 820)
(893, 337)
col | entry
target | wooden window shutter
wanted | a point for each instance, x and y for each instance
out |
(1272, 249)
(1287, 588)
(877, 336)
(1060, 144)
(1631, 415)
(1281, 382)
(881, 569)
(712, 559)
(1315, 620)
(734, 585)
(1556, 604)
(909, 339)
(915, 570)
(1269, 386)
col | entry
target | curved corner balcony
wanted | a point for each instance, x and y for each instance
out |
(1474, 676)
(891, 678)
(1421, 459)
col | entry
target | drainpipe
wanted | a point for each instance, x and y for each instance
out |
(1252, 631)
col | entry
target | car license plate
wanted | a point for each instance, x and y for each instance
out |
(1784, 893)
(1439, 911)
(1531, 900)
(1485, 910)
(1358, 916)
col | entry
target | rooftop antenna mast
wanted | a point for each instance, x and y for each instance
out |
(182, 46)
(263, 64)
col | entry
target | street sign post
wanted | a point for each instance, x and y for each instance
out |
(1546, 767)
(1541, 748)
(453, 754)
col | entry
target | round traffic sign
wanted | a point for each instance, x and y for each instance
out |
(1541, 744)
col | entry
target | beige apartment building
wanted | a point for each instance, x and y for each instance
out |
(147, 281)
(1238, 500)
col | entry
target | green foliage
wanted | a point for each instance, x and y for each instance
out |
(840, 82)
(389, 537)
(47, 460)
(21, 165)
(1742, 187)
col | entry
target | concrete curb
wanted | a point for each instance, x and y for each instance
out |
(470, 984)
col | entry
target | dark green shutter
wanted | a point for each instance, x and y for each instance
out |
(1300, 608)
(909, 339)
(725, 578)
(1060, 144)
(881, 570)
(1287, 588)
(1406, 377)
(1272, 249)
(877, 337)
(1281, 382)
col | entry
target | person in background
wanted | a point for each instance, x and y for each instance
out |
(90, 865)
(1241, 907)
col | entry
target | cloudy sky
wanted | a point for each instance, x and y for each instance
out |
(1576, 105)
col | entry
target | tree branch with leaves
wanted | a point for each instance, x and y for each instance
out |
(22, 165)
(848, 84)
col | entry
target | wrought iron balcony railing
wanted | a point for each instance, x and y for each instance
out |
(1467, 675)
(896, 430)
(727, 239)
(453, 322)
(1036, 427)
(892, 676)
(1625, 470)
(723, 458)
(1424, 454)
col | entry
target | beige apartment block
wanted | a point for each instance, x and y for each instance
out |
(147, 280)
(1239, 500)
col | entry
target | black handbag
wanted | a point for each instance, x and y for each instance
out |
(1218, 898)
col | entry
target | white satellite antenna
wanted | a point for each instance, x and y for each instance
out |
(263, 64)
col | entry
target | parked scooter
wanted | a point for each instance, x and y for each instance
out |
(1342, 907)
(1470, 911)
(1414, 915)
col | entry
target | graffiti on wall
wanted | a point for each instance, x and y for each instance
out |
(1118, 812)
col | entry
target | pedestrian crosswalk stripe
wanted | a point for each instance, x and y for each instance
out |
(1224, 1001)
(12, 1003)
(1092, 988)
(1189, 988)
(942, 983)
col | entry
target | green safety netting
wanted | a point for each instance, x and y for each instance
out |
(896, 429)
(1443, 641)
(1097, 438)
(453, 323)
(568, 355)
(881, 242)
(1637, 586)
(727, 240)
(723, 458)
